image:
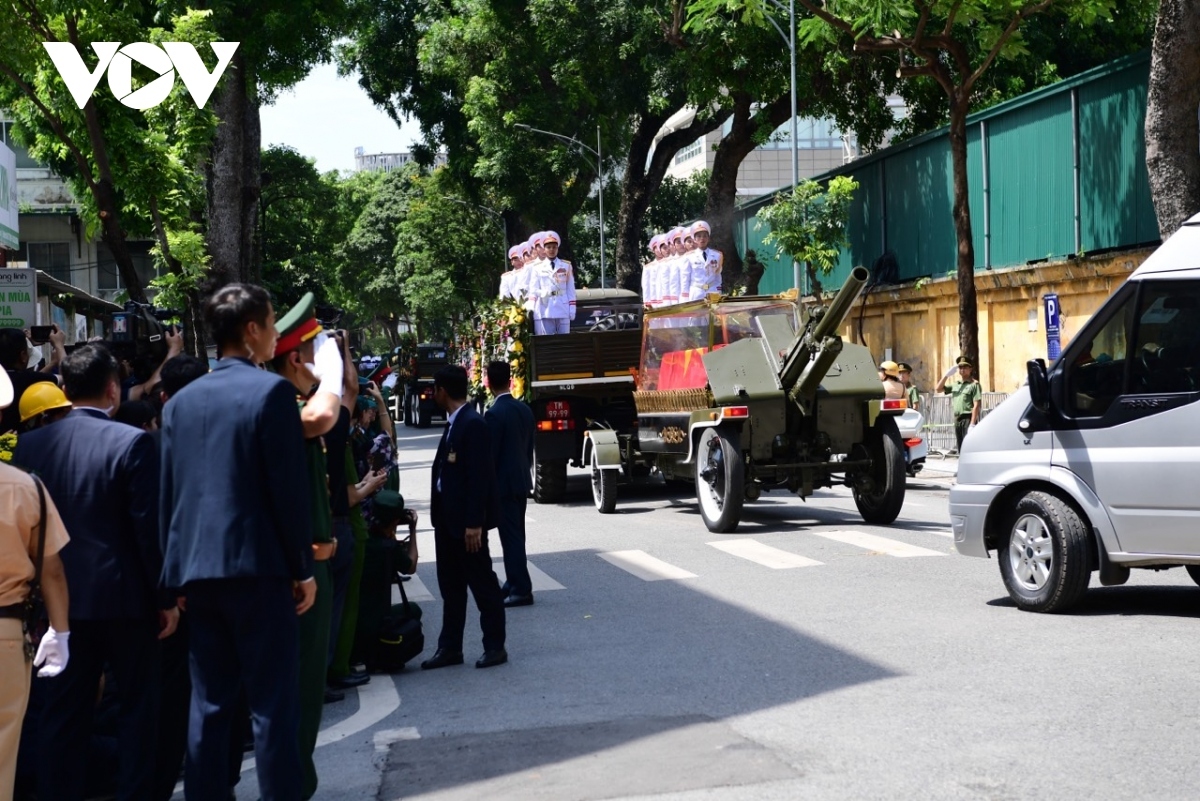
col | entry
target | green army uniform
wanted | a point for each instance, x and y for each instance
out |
(914, 396)
(345, 644)
(963, 397)
(296, 327)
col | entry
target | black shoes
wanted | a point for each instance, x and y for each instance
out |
(492, 658)
(333, 696)
(350, 680)
(518, 600)
(442, 658)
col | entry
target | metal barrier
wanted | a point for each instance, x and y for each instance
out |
(939, 421)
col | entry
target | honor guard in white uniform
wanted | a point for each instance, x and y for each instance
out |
(554, 280)
(507, 281)
(705, 264)
(648, 274)
(673, 284)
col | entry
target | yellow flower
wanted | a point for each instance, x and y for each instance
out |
(516, 347)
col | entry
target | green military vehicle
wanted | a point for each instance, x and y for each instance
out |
(582, 379)
(741, 396)
(414, 400)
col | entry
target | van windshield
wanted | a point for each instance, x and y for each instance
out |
(1150, 344)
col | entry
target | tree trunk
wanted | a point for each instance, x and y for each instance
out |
(640, 182)
(1172, 127)
(234, 183)
(968, 316)
(719, 206)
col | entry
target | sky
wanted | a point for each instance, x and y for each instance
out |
(325, 117)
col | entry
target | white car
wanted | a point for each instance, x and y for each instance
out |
(1090, 466)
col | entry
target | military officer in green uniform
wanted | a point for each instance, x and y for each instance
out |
(305, 356)
(966, 397)
(910, 389)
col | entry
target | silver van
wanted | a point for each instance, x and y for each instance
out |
(1093, 465)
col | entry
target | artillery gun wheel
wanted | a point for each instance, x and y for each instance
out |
(604, 487)
(720, 478)
(880, 498)
(549, 480)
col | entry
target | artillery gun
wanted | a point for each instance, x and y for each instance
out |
(740, 396)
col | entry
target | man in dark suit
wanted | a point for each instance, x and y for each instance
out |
(511, 425)
(463, 508)
(104, 477)
(235, 516)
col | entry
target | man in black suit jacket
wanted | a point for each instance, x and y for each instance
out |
(104, 477)
(238, 531)
(463, 508)
(511, 425)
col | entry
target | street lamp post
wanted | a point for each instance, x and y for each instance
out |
(499, 218)
(790, 39)
(599, 166)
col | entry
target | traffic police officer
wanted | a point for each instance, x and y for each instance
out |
(965, 398)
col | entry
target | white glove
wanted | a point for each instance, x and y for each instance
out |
(953, 369)
(327, 364)
(53, 652)
(970, 428)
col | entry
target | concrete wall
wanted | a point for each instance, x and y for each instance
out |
(919, 324)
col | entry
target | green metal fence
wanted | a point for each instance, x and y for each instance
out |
(1058, 171)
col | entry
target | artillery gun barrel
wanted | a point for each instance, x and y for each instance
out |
(842, 301)
(808, 343)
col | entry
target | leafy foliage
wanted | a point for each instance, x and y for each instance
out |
(809, 223)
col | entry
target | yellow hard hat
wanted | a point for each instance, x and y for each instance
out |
(890, 368)
(44, 396)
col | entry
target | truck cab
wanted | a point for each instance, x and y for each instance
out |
(1085, 468)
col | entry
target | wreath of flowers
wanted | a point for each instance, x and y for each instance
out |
(500, 330)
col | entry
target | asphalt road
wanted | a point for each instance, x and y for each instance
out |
(806, 656)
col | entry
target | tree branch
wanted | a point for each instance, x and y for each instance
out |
(1004, 37)
(821, 13)
(85, 169)
(950, 18)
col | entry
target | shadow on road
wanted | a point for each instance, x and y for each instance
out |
(1145, 601)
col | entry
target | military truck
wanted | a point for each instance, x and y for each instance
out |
(741, 396)
(415, 401)
(582, 379)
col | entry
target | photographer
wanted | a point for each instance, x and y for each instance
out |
(14, 358)
(134, 389)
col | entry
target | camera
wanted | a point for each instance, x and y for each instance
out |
(141, 325)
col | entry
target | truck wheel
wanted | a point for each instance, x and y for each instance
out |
(880, 497)
(1046, 559)
(604, 487)
(549, 480)
(408, 421)
(421, 415)
(720, 479)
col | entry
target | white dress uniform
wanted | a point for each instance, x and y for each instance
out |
(649, 275)
(704, 272)
(554, 280)
(506, 285)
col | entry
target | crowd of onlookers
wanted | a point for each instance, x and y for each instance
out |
(102, 699)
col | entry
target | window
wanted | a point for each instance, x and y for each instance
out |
(110, 274)
(812, 134)
(1149, 345)
(23, 159)
(52, 258)
(690, 152)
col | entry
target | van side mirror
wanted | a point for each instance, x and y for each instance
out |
(1039, 384)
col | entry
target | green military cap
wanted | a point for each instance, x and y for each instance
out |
(298, 326)
(905, 367)
(963, 361)
(387, 506)
(363, 402)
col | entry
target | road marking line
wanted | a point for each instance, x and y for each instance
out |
(645, 566)
(764, 555)
(537, 578)
(416, 591)
(875, 543)
(376, 700)
(384, 739)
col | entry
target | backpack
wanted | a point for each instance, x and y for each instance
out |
(400, 637)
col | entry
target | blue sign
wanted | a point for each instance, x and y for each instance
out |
(1053, 326)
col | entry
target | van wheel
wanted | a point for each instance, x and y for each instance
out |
(1194, 572)
(1045, 560)
(879, 495)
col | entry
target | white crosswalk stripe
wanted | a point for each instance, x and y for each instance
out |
(873, 542)
(537, 577)
(645, 566)
(764, 555)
